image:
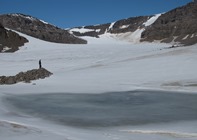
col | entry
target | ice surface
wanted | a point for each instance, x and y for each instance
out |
(108, 109)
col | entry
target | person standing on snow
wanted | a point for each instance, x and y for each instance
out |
(40, 64)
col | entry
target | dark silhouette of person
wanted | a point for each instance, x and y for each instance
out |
(40, 64)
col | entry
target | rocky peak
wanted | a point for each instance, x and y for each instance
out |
(178, 25)
(38, 29)
(10, 41)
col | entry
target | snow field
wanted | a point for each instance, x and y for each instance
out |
(105, 64)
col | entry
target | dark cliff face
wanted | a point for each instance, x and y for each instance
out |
(38, 29)
(10, 41)
(178, 25)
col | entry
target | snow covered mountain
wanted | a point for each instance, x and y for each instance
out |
(38, 28)
(128, 30)
(176, 26)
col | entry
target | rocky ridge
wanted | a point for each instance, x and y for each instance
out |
(38, 29)
(27, 77)
(177, 26)
(121, 26)
(10, 41)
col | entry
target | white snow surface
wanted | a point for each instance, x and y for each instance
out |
(152, 20)
(82, 30)
(105, 64)
(112, 25)
(5, 49)
(124, 26)
(130, 37)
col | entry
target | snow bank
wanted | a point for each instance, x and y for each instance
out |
(152, 20)
(82, 30)
(130, 37)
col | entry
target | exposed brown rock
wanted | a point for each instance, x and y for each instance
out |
(178, 25)
(25, 76)
(10, 41)
(129, 25)
(38, 29)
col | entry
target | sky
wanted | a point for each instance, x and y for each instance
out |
(74, 13)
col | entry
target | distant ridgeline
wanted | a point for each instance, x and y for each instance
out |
(178, 25)
(38, 29)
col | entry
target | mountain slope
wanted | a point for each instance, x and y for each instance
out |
(38, 28)
(121, 26)
(178, 25)
(10, 41)
(127, 30)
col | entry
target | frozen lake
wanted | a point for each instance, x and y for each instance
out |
(131, 108)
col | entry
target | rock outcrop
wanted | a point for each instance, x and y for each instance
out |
(38, 29)
(27, 77)
(10, 41)
(178, 25)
